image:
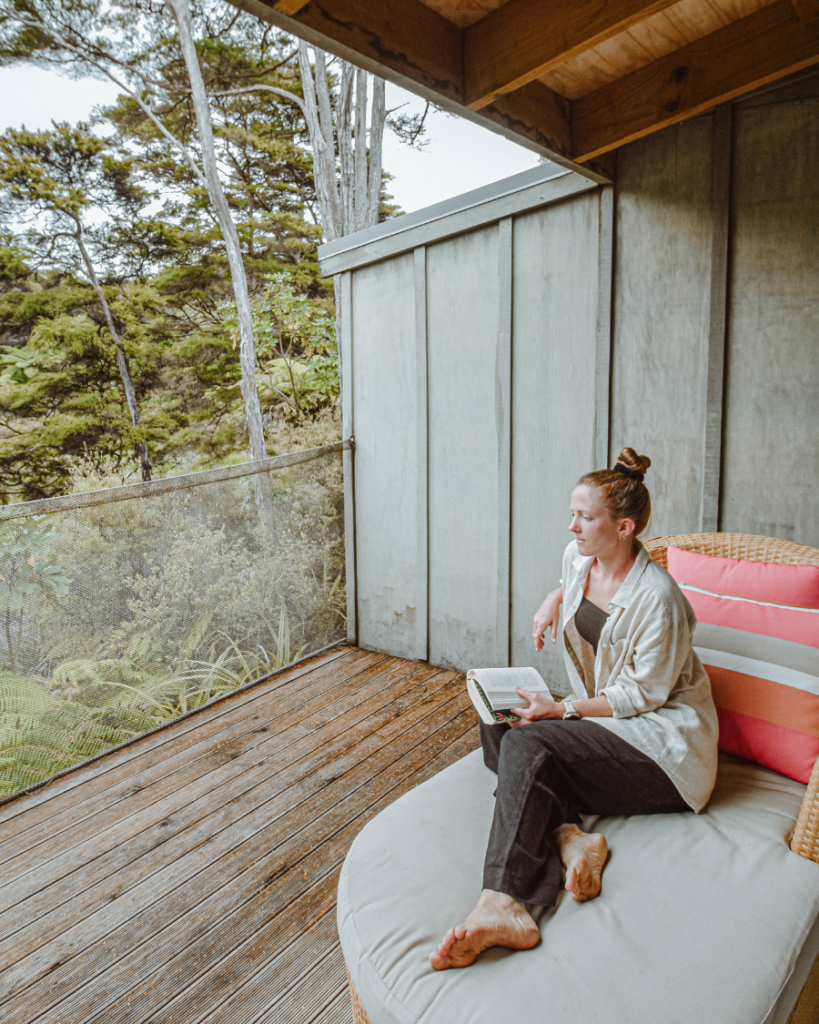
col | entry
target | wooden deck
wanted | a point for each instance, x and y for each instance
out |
(191, 876)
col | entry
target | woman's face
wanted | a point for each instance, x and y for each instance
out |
(594, 529)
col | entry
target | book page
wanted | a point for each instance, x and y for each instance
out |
(498, 685)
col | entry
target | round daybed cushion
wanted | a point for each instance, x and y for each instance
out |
(703, 919)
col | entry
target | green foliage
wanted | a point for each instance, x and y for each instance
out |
(295, 348)
(29, 573)
(131, 613)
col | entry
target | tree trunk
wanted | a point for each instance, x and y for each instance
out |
(349, 191)
(377, 121)
(360, 201)
(122, 360)
(180, 9)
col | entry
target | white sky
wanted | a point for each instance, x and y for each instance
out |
(459, 156)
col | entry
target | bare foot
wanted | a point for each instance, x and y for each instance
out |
(497, 920)
(584, 857)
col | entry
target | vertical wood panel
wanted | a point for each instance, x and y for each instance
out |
(503, 416)
(386, 469)
(345, 329)
(422, 456)
(720, 222)
(462, 325)
(661, 314)
(556, 340)
(771, 454)
(602, 359)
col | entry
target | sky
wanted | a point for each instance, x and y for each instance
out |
(459, 155)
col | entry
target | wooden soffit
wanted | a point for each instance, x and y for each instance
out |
(571, 79)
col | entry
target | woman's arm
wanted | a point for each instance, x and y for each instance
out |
(548, 615)
(544, 707)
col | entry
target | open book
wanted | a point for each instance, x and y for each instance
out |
(492, 691)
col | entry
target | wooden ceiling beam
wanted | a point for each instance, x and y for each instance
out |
(290, 6)
(522, 40)
(749, 53)
(404, 36)
(536, 113)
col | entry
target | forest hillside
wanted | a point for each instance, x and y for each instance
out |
(150, 232)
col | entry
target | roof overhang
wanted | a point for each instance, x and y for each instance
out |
(570, 79)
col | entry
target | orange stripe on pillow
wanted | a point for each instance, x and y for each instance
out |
(791, 753)
(760, 698)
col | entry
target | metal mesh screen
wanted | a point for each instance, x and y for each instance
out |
(122, 609)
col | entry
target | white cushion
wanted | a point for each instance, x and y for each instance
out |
(701, 918)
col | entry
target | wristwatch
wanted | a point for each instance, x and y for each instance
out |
(570, 711)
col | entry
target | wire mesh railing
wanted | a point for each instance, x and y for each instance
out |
(122, 609)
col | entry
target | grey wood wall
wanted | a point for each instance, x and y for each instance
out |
(496, 348)
(473, 417)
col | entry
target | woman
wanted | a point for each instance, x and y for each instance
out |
(639, 735)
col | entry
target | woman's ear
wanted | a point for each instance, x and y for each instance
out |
(625, 529)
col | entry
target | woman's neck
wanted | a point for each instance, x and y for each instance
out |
(615, 565)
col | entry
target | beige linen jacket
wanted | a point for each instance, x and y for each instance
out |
(647, 668)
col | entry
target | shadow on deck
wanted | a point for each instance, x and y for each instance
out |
(191, 876)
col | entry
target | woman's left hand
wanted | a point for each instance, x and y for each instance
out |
(539, 707)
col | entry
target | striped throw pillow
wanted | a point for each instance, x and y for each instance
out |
(763, 662)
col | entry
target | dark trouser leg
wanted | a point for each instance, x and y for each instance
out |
(549, 773)
(491, 736)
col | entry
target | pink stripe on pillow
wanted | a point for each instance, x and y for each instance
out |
(761, 581)
(774, 746)
(799, 625)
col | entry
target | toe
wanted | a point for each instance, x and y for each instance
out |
(438, 962)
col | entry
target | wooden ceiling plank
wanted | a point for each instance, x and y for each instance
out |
(525, 39)
(749, 53)
(649, 40)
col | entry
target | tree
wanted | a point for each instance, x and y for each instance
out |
(350, 197)
(265, 175)
(247, 349)
(52, 179)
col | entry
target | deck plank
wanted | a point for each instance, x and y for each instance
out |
(216, 902)
(339, 1011)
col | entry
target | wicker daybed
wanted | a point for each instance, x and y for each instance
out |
(731, 936)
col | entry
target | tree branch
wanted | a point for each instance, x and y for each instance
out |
(42, 26)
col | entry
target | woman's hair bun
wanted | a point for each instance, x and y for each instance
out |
(631, 460)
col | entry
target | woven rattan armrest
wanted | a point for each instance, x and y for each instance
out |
(805, 840)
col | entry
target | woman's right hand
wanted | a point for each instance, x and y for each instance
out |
(548, 615)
